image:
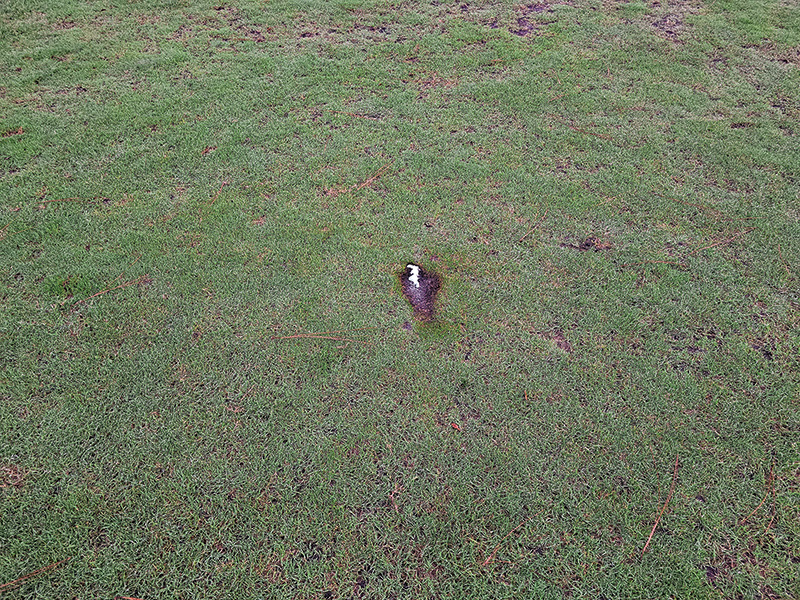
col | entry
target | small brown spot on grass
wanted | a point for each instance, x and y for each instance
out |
(12, 476)
(558, 339)
(12, 132)
(433, 81)
(62, 25)
(593, 243)
(590, 243)
(672, 25)
(525, 27)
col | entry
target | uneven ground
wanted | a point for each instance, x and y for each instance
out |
(211, 386)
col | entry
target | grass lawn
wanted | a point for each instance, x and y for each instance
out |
(212, 387)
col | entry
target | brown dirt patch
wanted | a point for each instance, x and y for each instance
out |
(670, 23)
(12, 476)
(422, 295)
(590, 243)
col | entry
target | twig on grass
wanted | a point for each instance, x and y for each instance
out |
(128, 267)
(780, 254)
(656, 262)
(663, 508)
(727, 241)
(317, 337)
(356, 115)
(332, 192)
(76, 199)
(535, 225)
(324, 335)
(770, 488)
(142, 279)
(376, 175)
(12, 584)
(700, 206)
(219, 191)
(316, 333)
(603, 136)
(743, 521)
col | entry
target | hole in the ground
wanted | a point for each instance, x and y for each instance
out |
(420, 286)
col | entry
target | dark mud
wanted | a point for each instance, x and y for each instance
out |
(420, 291)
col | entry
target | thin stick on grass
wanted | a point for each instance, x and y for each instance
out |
(376, 175)
(603, 136)
(125, 284)
(655, 262)
(743, 521)
(535, 225)
(772, 490)
(333, 192)
(128, 267)
(780, 254)
(318, 337)
(76, 199)
(357, 116)
(15, 232)
(769, 485)
(728, 241)
(316, 333)
(663, 508)
(219, 191)
(700, 206)
(12, 584)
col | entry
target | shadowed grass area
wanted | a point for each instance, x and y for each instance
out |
(211, 384)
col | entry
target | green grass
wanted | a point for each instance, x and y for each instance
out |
(186, 186)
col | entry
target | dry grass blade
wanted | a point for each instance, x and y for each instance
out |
(663, 508)
(374, 177)
(20, 580)
(324, 335)
(726, 241)
(318, 333)
(702, 207)
(535, 225)
(655, 262)
(219, 191)
(603, 136)
(316, 336)
(91, 200)
(142, 279)
(785, 264)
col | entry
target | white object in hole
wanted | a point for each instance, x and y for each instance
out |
(414, 278)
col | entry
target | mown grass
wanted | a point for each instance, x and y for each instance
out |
(610, 193)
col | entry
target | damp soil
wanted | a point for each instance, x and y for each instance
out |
(421, 297)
